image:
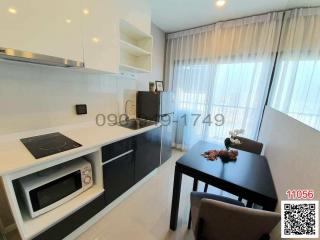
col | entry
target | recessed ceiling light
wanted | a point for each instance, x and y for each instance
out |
(68, 20)
(220, 3)
(85, 11)
(95, 39)
(12, 10)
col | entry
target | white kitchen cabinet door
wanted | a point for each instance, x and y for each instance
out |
(101, 35)
(40, 26)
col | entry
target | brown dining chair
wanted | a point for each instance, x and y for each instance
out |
(215, 217)
(248, 145)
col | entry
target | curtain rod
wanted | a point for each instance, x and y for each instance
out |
(232, 19)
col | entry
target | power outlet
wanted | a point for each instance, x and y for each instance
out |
(81, 109)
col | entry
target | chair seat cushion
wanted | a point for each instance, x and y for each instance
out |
(196, 202)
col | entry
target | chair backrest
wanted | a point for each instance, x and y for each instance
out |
(248, 145)
(223, 221)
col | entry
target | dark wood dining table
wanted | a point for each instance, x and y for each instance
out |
(249, 177)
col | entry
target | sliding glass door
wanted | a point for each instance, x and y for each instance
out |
(212, 99)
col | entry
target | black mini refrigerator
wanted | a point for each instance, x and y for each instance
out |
(158, 106)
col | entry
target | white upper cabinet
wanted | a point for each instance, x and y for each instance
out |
(104, 49)
(46, 27)
(137, 13)
(101, 35)
(107, 35)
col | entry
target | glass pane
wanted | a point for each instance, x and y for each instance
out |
(296, 90)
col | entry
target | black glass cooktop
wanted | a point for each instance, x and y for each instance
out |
(49, 144)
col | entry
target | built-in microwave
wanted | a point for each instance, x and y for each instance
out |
(48, 189)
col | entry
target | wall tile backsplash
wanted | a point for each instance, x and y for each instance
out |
(35, 96)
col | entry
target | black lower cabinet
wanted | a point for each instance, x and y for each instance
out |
(72, 222)
(147, 153)
(118, 176)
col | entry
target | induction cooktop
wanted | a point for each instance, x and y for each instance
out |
(48, 144)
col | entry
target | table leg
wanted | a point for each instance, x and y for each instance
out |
(194, 188)
(270, 206)
(249, 204)
(175, 199)
(206, 187)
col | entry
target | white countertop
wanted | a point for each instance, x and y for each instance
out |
(14, 156)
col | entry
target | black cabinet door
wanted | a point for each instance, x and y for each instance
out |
(147, 154)
(115, 149)
(72, 222)
(118, 176)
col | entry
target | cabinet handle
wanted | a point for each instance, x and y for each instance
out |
(119, 156)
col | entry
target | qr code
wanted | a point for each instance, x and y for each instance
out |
(299, 219)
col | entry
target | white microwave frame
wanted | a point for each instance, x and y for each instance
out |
(46, 176)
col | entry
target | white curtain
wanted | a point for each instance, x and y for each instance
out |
(224, 68)
(296, 86)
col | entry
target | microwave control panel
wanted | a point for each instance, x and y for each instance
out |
(87, 176)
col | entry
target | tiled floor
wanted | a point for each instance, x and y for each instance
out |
(145, 214)
(14, 235)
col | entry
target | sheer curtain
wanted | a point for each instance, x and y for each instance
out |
(296, 86)
(224, 68)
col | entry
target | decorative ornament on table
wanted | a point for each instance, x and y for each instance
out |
(233, 140)
(226, 155)
(211, 154)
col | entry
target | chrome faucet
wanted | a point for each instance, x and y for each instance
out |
(126, 106)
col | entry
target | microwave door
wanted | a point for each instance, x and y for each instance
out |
(51, 193)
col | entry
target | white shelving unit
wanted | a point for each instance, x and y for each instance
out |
(30, 227)
(135, 49)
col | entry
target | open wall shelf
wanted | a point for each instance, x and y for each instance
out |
(135, 49)
(128, 68)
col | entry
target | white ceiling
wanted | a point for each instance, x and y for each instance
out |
(175, 15)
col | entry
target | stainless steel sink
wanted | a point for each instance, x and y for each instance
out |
(137, 123)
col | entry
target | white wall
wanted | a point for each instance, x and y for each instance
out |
(34, 96)
(292, 149)
(157, 60)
